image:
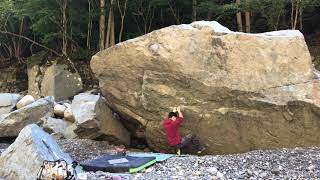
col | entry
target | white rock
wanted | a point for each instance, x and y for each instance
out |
(59, 110)
(212, 170)
(95, 119)
(220, 175)
(196, 173)
(214, 25)
(311, 167)
(67, 105)
(23, 158)
(181, 173)
(214, 178)
(8, 102)
(53, 125)
(82, 176)
(26, 100)
(149, 170)
(69, 132)
(11, 124)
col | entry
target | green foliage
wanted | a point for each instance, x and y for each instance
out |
(81, 54)
(43, 20)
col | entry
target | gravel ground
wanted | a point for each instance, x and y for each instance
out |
(279, 164)
(274, 164)
(84, 149)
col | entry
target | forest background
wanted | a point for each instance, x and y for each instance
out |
(79, 28)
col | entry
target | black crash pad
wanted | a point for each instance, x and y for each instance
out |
(118, 163)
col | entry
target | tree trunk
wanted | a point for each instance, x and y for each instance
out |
(292, 13)
(174, 12)
(107, 42)
(300, 15)
(239, 19)
(112, 34)
(102, 25)
(65, 28)
(89, 26)
(123, 15)
(194, 10)
(110, 27)
(248, 22)
(296, 15)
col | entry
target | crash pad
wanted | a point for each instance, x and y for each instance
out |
(118, 163)
(159, 156)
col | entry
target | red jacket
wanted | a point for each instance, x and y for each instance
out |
(171, 129)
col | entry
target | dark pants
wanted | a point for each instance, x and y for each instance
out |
(190, 140)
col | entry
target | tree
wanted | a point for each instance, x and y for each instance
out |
(110, 38)
(297, 8)
(143, 14)
(89, 31)
(102, 28)
(194, 10)
(122, 10)
(248, 18)
(63, 9)
(239, 18)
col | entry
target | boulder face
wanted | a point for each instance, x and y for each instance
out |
(23, 158)
(238, 91)
(57, 78)
(12, 123)
(94, 120)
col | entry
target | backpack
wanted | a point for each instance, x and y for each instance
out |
(56, 170)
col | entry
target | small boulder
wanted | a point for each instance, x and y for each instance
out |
(59, 78)
(68, 115)
(26, 100)
(94, 120)
(12, 123)
(59, 110)
(54, 125)
(8, 102)
(69, 132)
(23, 159)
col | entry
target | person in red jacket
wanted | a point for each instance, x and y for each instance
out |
(171, 128)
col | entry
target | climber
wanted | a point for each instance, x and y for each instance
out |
(171, 127)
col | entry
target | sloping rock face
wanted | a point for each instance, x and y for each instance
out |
(23, 159)
(59, 79)
(94, 120)
(12, 123)
(238, 91)
(8, 102)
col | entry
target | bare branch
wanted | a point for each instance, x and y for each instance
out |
(30, 40)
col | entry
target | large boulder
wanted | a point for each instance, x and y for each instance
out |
(238, 91)
(23, 159)
(94, 120)
(12, 123)
(8, 102)
(56, 77)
